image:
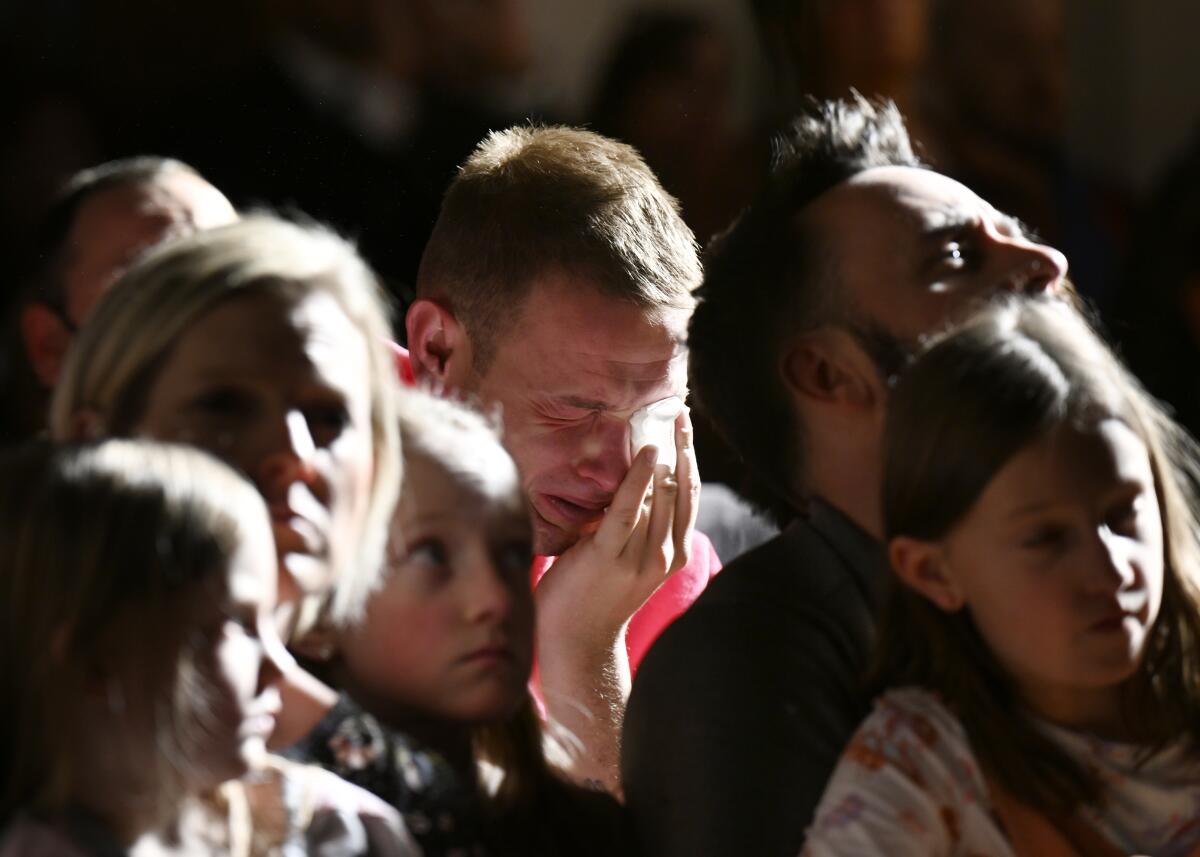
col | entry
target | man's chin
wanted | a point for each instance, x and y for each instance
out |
(551, 539)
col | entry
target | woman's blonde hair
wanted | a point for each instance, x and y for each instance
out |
(103, 549)
(1020, 368)
(117, 353)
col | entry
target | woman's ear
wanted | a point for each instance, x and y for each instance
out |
(922, 566)
(438, 344)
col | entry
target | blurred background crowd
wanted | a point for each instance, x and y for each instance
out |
(1076, 117)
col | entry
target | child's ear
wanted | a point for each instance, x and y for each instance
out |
(824, 366)
(922, 566)
(438, 344)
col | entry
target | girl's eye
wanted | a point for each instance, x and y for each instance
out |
(1123, 517)
(1045, 538)
(224, 402)
(431, 553)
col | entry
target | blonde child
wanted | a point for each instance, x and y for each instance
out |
(1040, 651)
(139, 663)
(442, 658)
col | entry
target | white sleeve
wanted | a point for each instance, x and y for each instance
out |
(907, 785)
(348, 821)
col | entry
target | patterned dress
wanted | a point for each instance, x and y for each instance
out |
(909, 784)
(442, 813)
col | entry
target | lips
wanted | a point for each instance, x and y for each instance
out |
(259, 722)
(1114, 618)
(572, 510)
(491, 653)
(295, 533)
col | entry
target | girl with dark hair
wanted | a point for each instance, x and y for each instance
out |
(1039, 654)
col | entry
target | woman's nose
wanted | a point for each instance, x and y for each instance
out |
(289, 454)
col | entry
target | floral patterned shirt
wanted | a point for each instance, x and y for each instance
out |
(441, 812)
(909, 784)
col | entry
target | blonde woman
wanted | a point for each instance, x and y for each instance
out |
(263, 342)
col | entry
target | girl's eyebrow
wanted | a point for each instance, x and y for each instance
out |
(1035, 507)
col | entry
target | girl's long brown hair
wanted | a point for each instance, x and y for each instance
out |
(976, 397)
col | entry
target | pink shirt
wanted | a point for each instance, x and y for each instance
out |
(672, 598)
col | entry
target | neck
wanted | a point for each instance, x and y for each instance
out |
(123, 801)
(854, 494)
(450, 740)
(1094, 712)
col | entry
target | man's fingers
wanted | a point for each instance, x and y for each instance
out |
(626, 508)
(659, 550)
(687, 502)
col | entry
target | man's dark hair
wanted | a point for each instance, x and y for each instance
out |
(45, 284)
(536, 199)
(769, 277)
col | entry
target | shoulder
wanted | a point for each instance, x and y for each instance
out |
(907, 783)
(789, 599)
(331, 811)
(584, 822)
(911, 729)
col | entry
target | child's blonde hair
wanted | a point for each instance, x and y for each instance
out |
(458, 437)
(976, 397)
(122, 345)
(102, 549)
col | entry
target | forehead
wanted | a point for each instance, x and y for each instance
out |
(465, 477)
(1072, 462)
(570, 334)
(266, 334)
(114, 225)
(900, 201)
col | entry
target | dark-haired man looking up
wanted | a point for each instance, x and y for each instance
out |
(809, 305)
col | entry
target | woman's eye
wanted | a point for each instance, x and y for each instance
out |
(326, 422)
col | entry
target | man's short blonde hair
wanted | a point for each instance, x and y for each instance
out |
(531, 200)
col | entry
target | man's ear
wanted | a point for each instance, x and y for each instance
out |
(922, 566)
(438, 344)
(826, 366)
(46, 340)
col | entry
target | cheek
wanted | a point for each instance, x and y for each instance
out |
(238, 660)
(399, 640)
(543, 453)
(350, 470)
(1018, 611)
